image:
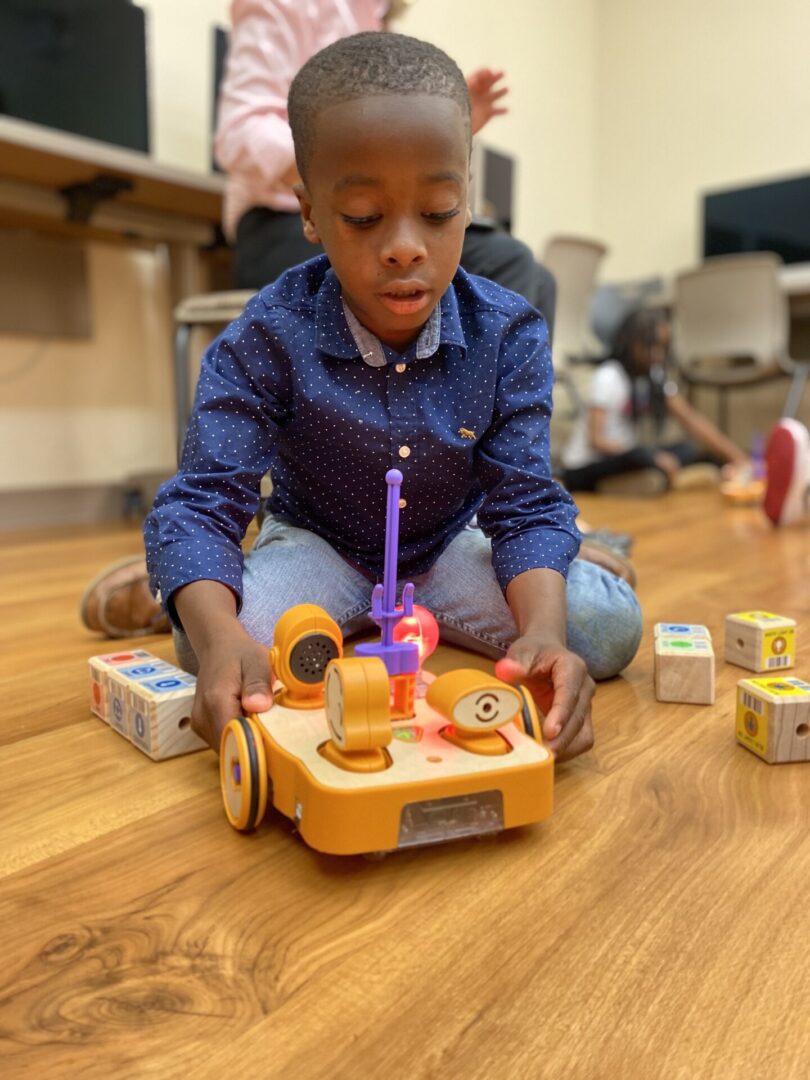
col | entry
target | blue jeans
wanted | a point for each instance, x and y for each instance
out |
(290, 566)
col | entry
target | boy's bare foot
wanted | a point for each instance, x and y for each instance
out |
(118, 603)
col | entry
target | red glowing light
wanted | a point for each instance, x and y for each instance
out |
(421, 628)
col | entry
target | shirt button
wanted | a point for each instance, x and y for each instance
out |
(404, 451)
(403, 503)
(400, 368)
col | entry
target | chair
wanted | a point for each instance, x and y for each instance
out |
(731, 327)
(574, 262)
(209, 309)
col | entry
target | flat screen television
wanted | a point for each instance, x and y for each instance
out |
(76, 65)
(765, 217)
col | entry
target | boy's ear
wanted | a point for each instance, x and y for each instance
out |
(305, 204)
(469, 217)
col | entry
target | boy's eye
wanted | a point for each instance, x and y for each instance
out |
(361, 222)
(444, 216)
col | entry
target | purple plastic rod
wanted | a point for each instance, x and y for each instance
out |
(399, 656)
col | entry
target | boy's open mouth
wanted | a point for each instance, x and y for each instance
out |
(405, 298)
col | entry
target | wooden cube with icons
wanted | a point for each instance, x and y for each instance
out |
(773, 718)
(119, 680)
(676, 630)
(99, 666)
(684, 669)
(145, 699)
(760, 641)
(159, 713)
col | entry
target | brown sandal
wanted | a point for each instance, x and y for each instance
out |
(119, 604)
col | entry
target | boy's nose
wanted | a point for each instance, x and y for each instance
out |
(403, 247)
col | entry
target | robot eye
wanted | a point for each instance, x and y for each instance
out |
(486, 706)
(308, 658)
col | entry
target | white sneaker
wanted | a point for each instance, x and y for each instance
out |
(787, 457)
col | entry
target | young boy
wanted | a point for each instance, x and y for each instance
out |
(382, 353)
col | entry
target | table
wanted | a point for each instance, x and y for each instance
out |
(54, 181)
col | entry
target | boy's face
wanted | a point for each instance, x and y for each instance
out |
(386, 195)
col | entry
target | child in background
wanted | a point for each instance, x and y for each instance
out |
(382, 353)
(604, 452)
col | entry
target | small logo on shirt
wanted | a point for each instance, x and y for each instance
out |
(465, 433)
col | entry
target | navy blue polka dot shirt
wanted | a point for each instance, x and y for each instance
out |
(297, 386)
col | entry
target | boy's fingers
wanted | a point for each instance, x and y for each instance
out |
(581, 741)
(257, 695)
(561, 714)
(212, 711)
(510, 670)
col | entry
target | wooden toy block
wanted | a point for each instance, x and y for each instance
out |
(160, 713)
(689, 630)
(773, 718)
(99, 666)
(684, 670)
(118, 681)
(760, 640)
(145, 699)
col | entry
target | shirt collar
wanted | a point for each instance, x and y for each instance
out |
(341, 334)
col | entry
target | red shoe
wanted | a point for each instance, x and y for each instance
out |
(787, 457)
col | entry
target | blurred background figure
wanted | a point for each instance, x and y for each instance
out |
(270, 40)
(632, 390)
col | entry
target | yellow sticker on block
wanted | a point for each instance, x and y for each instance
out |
(778, 647)
(752, 722)
(757, 616)
(782, 687)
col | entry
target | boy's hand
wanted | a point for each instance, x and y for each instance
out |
(560, 684)
(484, 96)
(234, 679)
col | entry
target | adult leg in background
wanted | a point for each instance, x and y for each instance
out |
(495, 254)
(268, 242)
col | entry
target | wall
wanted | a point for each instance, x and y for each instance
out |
(693, 96)
(548, 49)
(95, 411)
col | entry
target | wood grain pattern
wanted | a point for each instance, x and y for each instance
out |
(655, 926)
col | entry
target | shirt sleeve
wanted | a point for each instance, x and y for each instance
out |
(195, 529)
(530, 519)
(268, 45)
(608, 387)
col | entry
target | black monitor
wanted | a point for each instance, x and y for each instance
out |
(76, 65)
(765, 217)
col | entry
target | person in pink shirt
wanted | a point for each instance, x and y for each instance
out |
(270, 41)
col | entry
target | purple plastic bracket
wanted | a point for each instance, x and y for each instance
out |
(399, 657)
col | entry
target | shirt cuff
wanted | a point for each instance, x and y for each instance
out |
(185, 561)
(534, 549)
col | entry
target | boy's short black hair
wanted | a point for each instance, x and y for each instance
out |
(371, 63)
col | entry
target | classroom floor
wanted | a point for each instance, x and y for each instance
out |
(655, 926)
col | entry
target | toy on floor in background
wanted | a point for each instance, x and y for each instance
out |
(375, 766)
(760, 640)
(746, 484)
(773, 718)
(145, 699)
(684, 663)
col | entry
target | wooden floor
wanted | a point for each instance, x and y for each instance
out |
(656, 926)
